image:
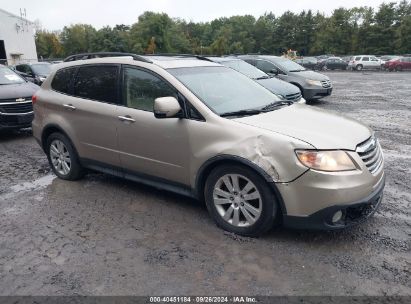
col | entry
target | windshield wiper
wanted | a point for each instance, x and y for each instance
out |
(262, 77)
(276, 104)
(296, 70)
(241, 113)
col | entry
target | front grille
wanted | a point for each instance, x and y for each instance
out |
(11, 106)
(326, 83)
(293, 97)
(371, 154)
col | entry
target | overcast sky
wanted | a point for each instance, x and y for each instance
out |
(55, 14)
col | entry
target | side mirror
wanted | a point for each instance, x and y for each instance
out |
(274, 71)
(166, 107)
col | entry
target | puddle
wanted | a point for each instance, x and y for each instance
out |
(37, 184)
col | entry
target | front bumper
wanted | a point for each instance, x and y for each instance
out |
(352, 213)
(316, 93)
(17, 121)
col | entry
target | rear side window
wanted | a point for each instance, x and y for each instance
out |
(365, 59)
(99, 82)
(62, 80)
(141, 88)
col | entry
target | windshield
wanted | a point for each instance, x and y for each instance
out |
(245, 68)
(224, 90)
(7, 76)
(288, 65)
(41, 69)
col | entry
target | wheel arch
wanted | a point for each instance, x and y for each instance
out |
(219, 160)
(50, 129)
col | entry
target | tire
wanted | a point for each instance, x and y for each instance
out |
(398, 68)
(61, 151)
(252, 193)
(359, 67)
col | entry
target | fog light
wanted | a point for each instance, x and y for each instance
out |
(337, 216)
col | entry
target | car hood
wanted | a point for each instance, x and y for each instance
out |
(279, 86)
(322, 129)
(310, 75)
(11, 91)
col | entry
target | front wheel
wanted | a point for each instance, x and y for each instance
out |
(240, 201)
(359, 67)
(63, 158)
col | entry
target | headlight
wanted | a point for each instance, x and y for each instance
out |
(314, 82)
(302, 100)
(42, 79)
(326, 160)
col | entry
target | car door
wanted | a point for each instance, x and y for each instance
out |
(91, 111)
(366, 62)
(374, 63)
(148, 145)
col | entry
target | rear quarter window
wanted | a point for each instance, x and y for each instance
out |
(62, 80)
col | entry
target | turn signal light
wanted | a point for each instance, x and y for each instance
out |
(33, 99)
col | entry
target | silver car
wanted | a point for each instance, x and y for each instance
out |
(204, 130)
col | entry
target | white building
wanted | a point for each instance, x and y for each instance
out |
(17, 41)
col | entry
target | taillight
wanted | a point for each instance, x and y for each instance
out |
(33, 99)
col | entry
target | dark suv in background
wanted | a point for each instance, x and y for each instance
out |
(16, 109)
(34, 72)
(312, 85)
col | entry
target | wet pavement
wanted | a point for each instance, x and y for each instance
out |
(106, 236)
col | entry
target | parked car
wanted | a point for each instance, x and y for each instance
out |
(34, 72)
(398, 64)
(279, 87)
(361, 62)
(201, 129)
(312, 85)
(308, 62)
(332, 63)
(16, 110)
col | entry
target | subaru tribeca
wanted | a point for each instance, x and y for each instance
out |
(201, 129)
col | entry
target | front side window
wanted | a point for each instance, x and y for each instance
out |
(357, 58)
(266, 66)
(141, 88)
(62, 80)
(223, 89)
(97, 82)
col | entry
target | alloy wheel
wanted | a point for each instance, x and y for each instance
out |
(60, 157)
(237, 200)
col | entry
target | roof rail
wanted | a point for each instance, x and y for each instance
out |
(199, 57)
(83, 56)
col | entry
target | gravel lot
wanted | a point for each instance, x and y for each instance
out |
(107, 236)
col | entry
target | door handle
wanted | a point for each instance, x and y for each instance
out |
(69, 107)
(126, 118)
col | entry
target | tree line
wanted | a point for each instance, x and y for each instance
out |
(386, 30)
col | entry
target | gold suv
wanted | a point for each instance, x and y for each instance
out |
(197, 128)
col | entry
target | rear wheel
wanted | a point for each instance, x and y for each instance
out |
(240, 201)
(398, 68)
(63, 158)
